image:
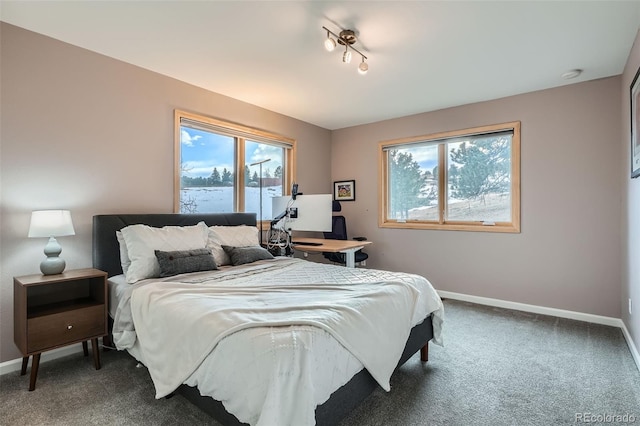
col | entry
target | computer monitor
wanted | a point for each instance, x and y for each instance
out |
(313, 212)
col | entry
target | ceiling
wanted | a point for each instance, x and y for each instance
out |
(423, 55)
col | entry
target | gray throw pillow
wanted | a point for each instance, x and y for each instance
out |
(242, 255)
(183, 261)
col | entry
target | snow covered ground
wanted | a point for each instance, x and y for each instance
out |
(220, 199)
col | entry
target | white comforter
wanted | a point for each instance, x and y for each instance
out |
(278, 342)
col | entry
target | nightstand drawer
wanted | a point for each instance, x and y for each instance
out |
(57, 329)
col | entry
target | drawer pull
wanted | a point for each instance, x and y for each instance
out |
(69, 327)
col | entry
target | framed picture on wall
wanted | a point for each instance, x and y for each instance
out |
(635, 126)
(344, 190)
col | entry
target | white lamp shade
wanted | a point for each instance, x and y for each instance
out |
(51, 223)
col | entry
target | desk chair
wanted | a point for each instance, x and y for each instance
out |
(339, 232)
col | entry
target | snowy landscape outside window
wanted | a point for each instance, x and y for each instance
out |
(461, 180)
(213, 166)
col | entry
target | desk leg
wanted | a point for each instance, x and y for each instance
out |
(350, 258)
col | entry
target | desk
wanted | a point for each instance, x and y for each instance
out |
(348, 247)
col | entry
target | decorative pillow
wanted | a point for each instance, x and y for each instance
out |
(183, 261)
(242, 255)
(143, 240)
(234, 236)
(124, 254)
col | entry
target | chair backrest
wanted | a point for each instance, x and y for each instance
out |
(338, 229)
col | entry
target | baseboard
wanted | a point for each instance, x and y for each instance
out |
(561, 313)
(631, 344)
(16, 364)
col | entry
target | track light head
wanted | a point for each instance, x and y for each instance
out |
(346, 56)
(329, 43)
(363, 67)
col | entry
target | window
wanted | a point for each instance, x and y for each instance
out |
(209, 154)
(465, 180)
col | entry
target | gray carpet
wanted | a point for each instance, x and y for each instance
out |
(498, 367)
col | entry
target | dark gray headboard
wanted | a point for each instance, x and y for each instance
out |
(106, 251)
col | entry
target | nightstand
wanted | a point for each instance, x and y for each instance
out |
(51, 311)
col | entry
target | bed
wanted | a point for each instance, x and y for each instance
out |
(318, 359)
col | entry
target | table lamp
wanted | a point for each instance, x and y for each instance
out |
(51, 223)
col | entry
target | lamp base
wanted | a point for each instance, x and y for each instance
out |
(52, 264)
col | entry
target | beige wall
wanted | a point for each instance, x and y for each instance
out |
(94, 135)
(84, 132)
(568, 253)
(630, 208)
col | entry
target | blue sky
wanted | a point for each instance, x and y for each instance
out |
(202, 151)
(426, 157)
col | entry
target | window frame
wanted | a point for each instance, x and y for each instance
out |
(241, 134)
(441, 140)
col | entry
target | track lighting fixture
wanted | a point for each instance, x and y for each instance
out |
(346, 38)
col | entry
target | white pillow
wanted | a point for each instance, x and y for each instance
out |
(234, 236)
(124, 254)
(143, 240)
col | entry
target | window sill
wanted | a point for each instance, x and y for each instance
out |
(467, 226)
